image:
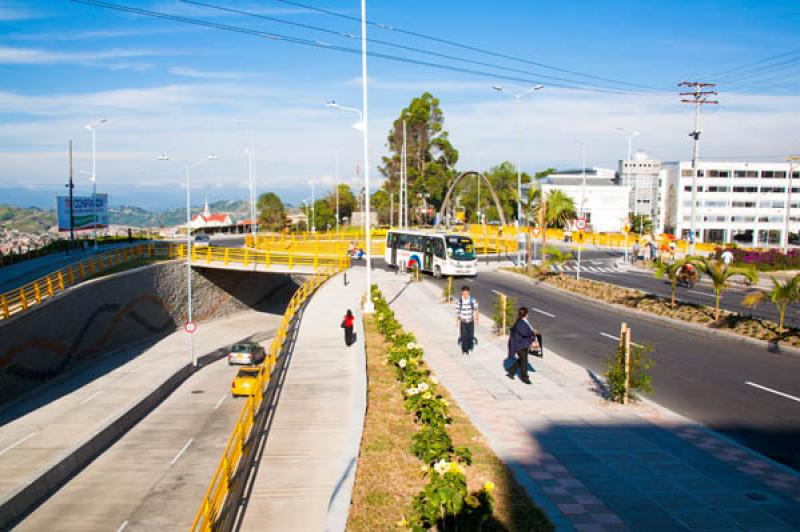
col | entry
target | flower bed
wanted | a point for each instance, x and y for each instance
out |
(446, 500)
(699, 314)
(765, 261)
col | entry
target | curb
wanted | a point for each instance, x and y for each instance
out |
(22, 501)
(661, 320)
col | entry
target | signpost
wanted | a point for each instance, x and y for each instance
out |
(626, 229)
(580, 223)
(190, 327)
(580, 247)
(536, 232)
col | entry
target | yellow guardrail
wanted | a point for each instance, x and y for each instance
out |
(27, 295)
(22, 298)
(242, 442)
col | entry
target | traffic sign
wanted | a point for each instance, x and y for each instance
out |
(580, 224)
(535, 231)
(190, 327)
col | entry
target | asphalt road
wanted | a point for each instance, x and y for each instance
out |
(736, 388)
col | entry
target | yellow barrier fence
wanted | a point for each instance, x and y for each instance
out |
(22, 298)
(219, 504)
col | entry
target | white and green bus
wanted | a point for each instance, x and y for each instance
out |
(436, 253)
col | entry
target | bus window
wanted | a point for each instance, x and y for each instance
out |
(438, 248)
(460, 248)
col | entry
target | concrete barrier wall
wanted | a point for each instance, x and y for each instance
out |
(119, 310)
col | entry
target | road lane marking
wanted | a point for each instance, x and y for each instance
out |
(776, 392)
(220, 401)
(19, 441)
(701, 293)
(183, 450)
(616, 338)
(95, 394)
(123, 526)
(543, 312)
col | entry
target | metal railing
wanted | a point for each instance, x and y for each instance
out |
(30, 294)
(22, 298)
(219, 502)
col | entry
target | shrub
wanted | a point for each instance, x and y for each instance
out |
(497, 314)
(640, 380)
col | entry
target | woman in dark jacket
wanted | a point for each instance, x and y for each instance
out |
(347, 325)
(520, 339)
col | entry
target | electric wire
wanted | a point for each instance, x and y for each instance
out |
(328, 46)
(468, 47)
(724, 73)
(393, 45)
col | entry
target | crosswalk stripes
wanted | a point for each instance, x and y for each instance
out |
(572, 267)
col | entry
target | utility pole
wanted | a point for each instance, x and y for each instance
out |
(698, 97)
(71, 215)
(404, 182)
(337, 192)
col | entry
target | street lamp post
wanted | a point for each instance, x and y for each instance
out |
(252, 179)
(188, 171)
(93, 128)
(518, 97)
(313, 212)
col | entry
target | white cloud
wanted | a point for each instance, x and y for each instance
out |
(203, 74)
(33, 56)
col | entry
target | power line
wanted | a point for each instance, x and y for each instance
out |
(391, 44)
(466, 46)
(722, 73)
(323, 45)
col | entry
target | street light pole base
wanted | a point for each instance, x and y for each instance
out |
(369, 307)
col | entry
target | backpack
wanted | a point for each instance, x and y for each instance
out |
(471, 304)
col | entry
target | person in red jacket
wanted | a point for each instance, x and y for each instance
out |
(347, 325)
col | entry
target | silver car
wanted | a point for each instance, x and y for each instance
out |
(246, 353)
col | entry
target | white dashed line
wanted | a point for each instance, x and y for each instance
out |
(616, 338)
(701, 293)
(543, 312)
(220, 401)
(123, 526)
(183, 450)
(776, 392)
(95, 394)
(4, 451)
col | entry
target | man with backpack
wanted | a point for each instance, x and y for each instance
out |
(466, 318)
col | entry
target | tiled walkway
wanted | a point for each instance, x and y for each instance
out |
(589, 464)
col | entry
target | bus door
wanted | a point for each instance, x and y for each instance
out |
(393, 244)
(428, 266)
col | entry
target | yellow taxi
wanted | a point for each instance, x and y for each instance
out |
(245, 381)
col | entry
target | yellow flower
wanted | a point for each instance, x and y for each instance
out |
(402, 522)
(488, 487)
(455, 468)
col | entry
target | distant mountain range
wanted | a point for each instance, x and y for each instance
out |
(33, 220)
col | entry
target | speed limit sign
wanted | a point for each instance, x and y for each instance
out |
(580, 224)
(190, 327)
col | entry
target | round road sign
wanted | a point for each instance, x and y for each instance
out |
(580, 224)
(190, 327)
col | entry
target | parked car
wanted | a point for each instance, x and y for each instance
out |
(249, 353)
(202, 241)
(245, 381)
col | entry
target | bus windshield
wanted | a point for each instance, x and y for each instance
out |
(460, 248)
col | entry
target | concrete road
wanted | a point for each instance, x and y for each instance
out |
(737, 388)
(155, 476)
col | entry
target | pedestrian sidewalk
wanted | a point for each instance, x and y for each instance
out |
(589, 464)
(44, 432)
(306, 473)
(16, 275)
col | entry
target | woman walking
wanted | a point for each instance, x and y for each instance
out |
(521, 338)
(347, 325)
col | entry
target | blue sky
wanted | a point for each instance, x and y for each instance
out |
(181, 89)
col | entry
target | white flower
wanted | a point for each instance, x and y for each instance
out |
(402, 363)
(423, 386)
(411, 345)
(434, 380)
(412, 391)
(441, 467)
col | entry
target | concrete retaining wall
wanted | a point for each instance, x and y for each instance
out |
(119, 310)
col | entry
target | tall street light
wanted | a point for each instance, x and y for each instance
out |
(93, 128)
(313, 212)
(583, 176)
(251, 158)
(518, 97)
(632, 133)
(188, 169)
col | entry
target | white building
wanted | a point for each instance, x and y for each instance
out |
(642, 175)
(736, 201)
(603, 202)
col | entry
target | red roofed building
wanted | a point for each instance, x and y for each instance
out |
(208, 220)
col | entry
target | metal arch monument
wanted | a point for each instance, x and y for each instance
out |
(446, 202)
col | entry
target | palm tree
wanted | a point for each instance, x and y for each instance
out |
(555, 257)
(670, 270)
(720, 274)
(781, 295)
(560, 209)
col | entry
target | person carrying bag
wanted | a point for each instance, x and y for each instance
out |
(347, 325)
(521, 339)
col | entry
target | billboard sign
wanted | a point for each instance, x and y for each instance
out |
(83, 212)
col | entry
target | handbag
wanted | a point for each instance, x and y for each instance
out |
(537, 351)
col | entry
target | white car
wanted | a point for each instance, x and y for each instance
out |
(202, 241)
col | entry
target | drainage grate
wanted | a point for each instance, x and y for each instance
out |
(197, 391)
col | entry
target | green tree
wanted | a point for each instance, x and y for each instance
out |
(324, 214)
(555, 257)
(781, 295)
(720, 274)
(431, 158)
(381, 203)
(641, 223)
(347, 201)
(271, 212)
(560, 209)
(670, 270)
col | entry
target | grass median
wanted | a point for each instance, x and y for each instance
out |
(388, 474)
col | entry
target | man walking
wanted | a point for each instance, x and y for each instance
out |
(466, 318)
